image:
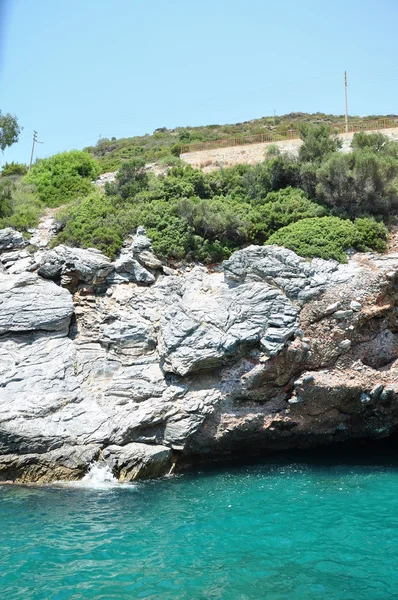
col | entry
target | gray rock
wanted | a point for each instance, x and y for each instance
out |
(365, 398)
(386, 395)
(28, 303)
(342, 314)
(149, 260)
(332, 308)
(10, 239)
(376, 391)
(194, 364)
(345, 345)
(23, 265)
(200, 330)
(130, 269)
(141, 461)
(75, 265)
(355, 306)
(141, 242)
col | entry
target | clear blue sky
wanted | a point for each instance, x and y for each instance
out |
(75, 69)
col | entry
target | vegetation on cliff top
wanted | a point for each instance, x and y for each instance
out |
(163, 145)
(319, 204)
(305, 204)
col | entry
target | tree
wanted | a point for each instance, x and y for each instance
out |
(9, 130)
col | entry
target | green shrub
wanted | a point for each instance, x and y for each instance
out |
(325, 237)
(317, 142)
(63, 177)
(14, 168)
(374, 235)
(376, 142)
(91, 222)
(279, 209)
(19, 205)
(362, 182)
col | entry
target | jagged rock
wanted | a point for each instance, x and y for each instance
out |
(343, 314)
(298, 278)
(24, 264)
(148, 259)
(138, 461)
(129, 269)
(141, 242)
(66, 463)
(200, 330)
(10, 239)
(75, 266)
(28, 303)
(192, 365)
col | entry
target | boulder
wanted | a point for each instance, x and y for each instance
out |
(129, 269)
(28, 303)
(138, 461)
(10, 239)
(73, 266)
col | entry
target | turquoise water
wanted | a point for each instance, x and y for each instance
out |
(276, 532)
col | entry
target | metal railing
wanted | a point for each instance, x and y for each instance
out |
(291, 134)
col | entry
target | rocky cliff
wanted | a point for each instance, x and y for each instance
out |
(149, 369)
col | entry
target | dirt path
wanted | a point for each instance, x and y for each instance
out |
(46, 230)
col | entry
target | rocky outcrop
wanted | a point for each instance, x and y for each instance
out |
(11, 239)
(150, 375)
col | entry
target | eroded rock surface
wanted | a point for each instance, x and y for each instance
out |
(148, 375)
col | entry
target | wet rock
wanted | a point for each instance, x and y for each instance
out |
(138, 461)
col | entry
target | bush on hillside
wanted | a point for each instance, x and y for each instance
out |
(362, 182)
(374, 235)
(19, 206)
(91, 222)
(327, 237)
(317, 143)
(63, 177)
(281, 208)
(376, 142)
(14, 168)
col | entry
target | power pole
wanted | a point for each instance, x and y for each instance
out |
(33, 148)
(345, 100)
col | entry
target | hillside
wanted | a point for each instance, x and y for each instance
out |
(164, 145)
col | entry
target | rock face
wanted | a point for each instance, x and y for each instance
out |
(149, 374)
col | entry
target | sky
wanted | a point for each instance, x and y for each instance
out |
(75, 70)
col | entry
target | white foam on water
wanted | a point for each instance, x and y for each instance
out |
(99, 477)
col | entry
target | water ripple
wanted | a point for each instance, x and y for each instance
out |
(278, 532)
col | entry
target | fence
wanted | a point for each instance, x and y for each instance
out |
(291, 134)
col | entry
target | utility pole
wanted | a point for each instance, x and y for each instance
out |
(35, 141)
(33, 148)
(345, 100)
